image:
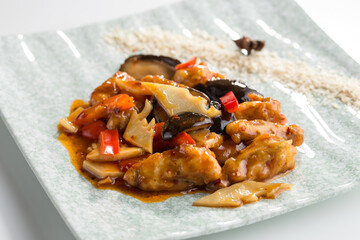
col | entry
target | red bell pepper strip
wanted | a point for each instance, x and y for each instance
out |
(92, 130)
(187, 64)
(109, 142)
(121, 102)
(183, 138)
(158, 129)
(230, 102)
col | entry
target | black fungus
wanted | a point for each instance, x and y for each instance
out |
(183, 122)
(218, 88)
(139, 66)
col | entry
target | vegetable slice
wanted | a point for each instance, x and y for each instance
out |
(124, 153)
(109, 142)
(190, 63)
(242, 193)
(230, 102)
(103, 169)
(92, 130)
(183, 138)
(68, 126)
(138, 131)
(157, 130)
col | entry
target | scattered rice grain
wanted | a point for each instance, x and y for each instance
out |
(223, 55)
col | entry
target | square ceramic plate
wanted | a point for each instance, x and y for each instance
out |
(42, 73)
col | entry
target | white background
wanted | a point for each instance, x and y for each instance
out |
(27, 213)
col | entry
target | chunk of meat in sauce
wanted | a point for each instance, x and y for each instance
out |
(266, 158)
(260, 108)
(227, 149)
(193, 76)
(104, 109)
(162, 80)
(178, 169)
(108, 88)
(244, 130)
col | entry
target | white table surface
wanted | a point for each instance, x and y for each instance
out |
(27, 213)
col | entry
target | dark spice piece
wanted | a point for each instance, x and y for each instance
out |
(248, 44)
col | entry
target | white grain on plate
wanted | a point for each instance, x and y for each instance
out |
(225, 57)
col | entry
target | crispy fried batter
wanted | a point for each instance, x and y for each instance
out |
(174, 170)
(261, 108)
(267, 157)
(108, 88)
(227, 149)
(199, 74)
(244, 130)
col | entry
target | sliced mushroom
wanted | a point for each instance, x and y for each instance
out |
(218, 88)
(242, 193)
(139, 66)
(187, 121)
(161, 115)
(176, 100)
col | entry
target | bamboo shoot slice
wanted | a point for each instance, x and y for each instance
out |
(242, 193)
(103, 169)
(124, 153)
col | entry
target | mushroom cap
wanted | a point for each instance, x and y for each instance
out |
(141, 65)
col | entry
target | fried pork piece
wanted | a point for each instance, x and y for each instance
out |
(244, 130)
(261, 108)
(267, 157)
(108, 88)
(205, 138)
(196, 75)
(227, 149)
(178, 169)
(162, 80)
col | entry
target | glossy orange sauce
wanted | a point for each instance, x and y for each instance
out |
(77, 147)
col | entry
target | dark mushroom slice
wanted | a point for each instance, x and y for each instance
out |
(140, 66)
(183, 122)
(158, 113)
(218, 88)
(221, 122)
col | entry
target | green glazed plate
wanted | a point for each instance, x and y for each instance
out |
(40, 75)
